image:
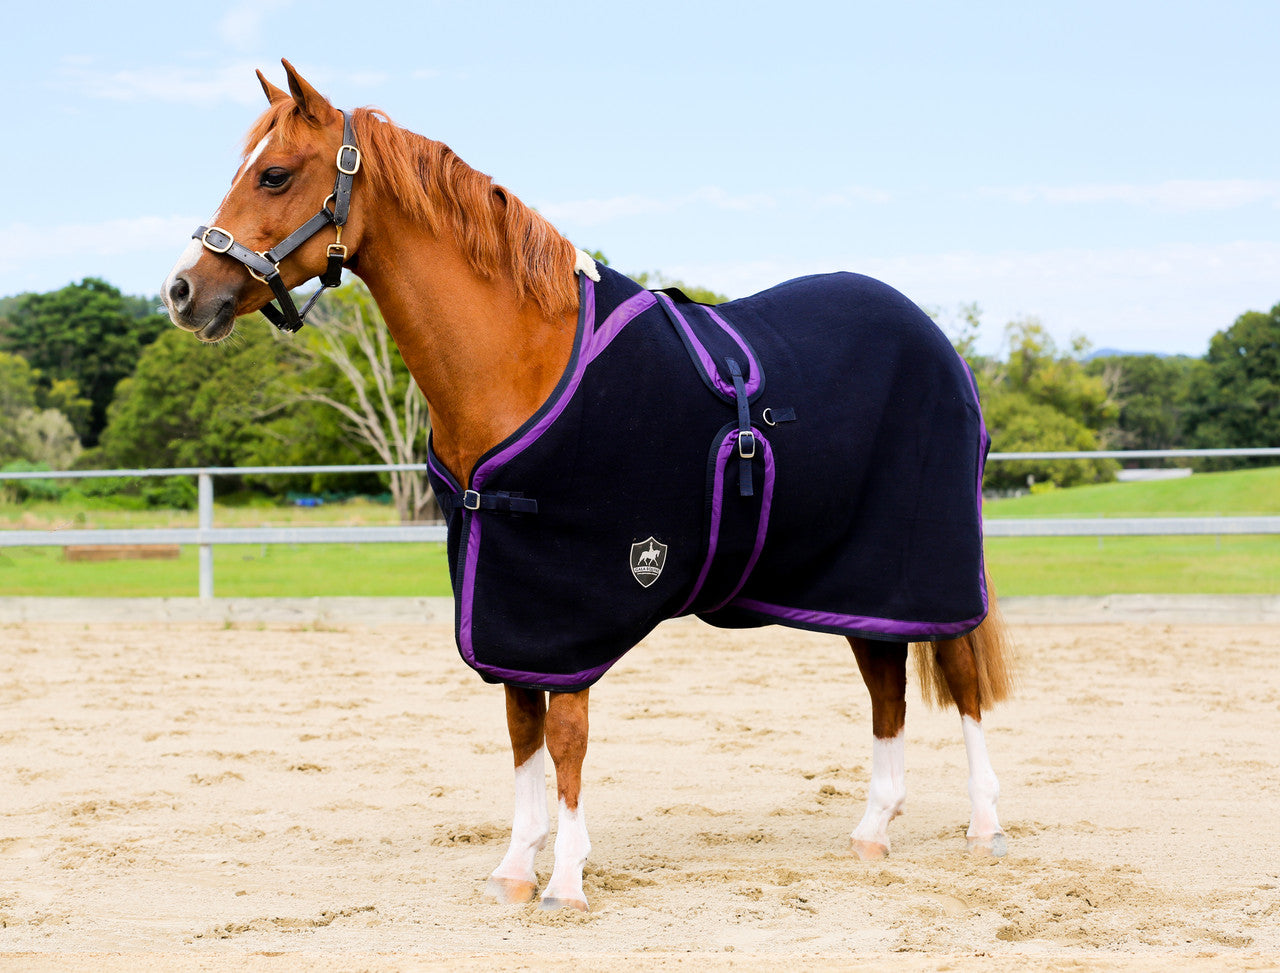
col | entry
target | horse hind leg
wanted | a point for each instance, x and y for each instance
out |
(884, 669)
(515, 881)
(973, 670)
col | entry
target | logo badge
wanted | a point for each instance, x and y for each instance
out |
(647, 560)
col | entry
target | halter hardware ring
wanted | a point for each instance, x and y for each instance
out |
(262, 277)
(355, 167)
(204, 239)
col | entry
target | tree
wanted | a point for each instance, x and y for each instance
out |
(656, 280)
(190, 404)
(89, 333)
(351, 367)
(1235, 400)
(1040, 399)
(17, 395)
(1153, 394)
(45, 437)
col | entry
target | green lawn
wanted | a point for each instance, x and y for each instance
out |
(1243, 492)
(1020, 566)
(239, 571)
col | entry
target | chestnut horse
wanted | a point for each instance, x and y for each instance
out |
(481, 295)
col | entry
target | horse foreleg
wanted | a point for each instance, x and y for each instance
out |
(566, 729)
(514, 880)
(884, 670)
(959, 668)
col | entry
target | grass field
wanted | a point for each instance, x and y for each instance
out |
(1020, 566)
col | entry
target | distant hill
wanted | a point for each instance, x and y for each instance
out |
(1117, 353)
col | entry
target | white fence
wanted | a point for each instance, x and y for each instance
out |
(205, 535)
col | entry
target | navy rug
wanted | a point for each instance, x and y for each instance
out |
(810, 456)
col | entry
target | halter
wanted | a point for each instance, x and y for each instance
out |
(265, 266)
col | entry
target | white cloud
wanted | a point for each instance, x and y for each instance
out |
(108, 238)
(202, 86)
(199, 85)
(242, 25)
(594, 212)
(1171, 195)
(1169, 298)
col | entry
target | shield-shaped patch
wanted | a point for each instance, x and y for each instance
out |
(647, 559)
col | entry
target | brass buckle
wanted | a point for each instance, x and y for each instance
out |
(355, 167)
(260, 277)
(204, 239)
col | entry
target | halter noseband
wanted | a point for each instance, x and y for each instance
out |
(265, 266)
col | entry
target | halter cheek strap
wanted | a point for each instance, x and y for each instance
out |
(265, 266)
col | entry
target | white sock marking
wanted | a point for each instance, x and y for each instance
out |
(984, 788)
(531, 824)
(887, 791)
(572, 848)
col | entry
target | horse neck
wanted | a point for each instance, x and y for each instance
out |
(484, 359)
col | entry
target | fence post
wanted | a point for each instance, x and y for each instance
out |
(204, 495)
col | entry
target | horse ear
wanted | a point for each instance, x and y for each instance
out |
(310, 102)
(273, 93)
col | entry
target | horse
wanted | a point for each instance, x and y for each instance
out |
(844, 498)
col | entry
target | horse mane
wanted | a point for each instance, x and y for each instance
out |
(499, 234)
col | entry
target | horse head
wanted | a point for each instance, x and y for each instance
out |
(283, 222)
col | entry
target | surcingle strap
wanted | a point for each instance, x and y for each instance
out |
(746, 438)
(498, 502)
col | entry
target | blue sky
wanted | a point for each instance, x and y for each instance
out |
(1108, 167)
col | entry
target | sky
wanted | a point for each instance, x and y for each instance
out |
(1109, 168)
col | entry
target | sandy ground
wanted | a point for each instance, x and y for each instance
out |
(280, 796)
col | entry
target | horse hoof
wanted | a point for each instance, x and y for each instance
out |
(551, 904)
(988, 846)
(868, 851)
(511, 891)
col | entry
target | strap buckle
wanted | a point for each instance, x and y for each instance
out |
(354, 153)
(223, 234)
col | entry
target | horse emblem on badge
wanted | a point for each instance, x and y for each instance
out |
(647, 559)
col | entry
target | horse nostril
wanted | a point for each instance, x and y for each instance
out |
(179, 292)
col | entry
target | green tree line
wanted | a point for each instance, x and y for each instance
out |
(93, 378)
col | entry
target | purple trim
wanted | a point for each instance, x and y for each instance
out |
(717, 507)
(984, 441)
(727, 449)
(594, 341)
(600, 337)
(762, 527)
(440, 471)
(705, 360)
(753, 386)
(862, 623)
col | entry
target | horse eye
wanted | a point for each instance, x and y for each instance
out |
(274, 178)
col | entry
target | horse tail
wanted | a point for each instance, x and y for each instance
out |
(994, 658)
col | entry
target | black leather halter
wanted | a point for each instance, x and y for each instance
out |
(265, 266)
